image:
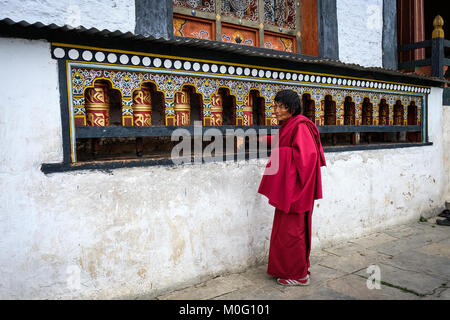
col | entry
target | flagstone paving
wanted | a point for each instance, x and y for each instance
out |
(412, 260)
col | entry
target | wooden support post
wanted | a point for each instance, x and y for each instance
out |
(95, 146)
(437, 48)
(139, 146)
(356, 137)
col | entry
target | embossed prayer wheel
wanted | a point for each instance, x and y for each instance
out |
(349, 112)
(273, 120)
(248, 110)
(330, 111)
(97, 105)
(384, 114)
(310, 110)
(216, 110)
(142, 107)
(367, 112)
(182, 108)
(398, 114)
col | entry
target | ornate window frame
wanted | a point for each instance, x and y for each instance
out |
(215, 14)
(79, 66)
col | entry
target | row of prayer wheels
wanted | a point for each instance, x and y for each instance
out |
(97, 106)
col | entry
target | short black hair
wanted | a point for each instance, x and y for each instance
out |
(291, 100)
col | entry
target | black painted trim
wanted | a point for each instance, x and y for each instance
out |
(376, 147)
(437, 57)
(328, 29)
(167, 131)
(367, 128)
(65, 117)
(415, 45)
(415, 63)
(158, 131)
(48, 168)
(389, 35)
(446, 97)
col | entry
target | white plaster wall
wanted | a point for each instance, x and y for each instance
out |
(148, 230)
(101, 14)
(360, 30)
(446, 142)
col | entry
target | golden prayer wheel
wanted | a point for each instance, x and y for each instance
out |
(182, 108)
(248, 110)
(97, 105)
(398, 115)
(142, 107)
(216, 110)
(384, 115)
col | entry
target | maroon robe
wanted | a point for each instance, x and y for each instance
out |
(292, 189)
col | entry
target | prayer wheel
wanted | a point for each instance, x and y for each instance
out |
(330, 112)
(349, 112)
(248, 110)
(384, 114)
(216, 110)
(367, 113)
(310, 110)
(97, 105)
(398, 114)
(142, 107)
(182, 108)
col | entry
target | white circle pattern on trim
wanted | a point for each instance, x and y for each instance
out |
(146, 61)
(223, 69)
(59, 53)
(124, 59)
(112, 58)
(177, 64)
(167, 63)
(87, 55)
(73, 54)
(136, 60)
(99, 56)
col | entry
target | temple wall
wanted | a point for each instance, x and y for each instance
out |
(148, 230)
(366, 191)
(360, 30)
(446, 143)
(101, 14)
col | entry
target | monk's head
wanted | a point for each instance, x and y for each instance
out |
(286, 104)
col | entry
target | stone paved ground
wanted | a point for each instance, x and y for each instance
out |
(413, 260)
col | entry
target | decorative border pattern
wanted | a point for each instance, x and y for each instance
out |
(177, 64)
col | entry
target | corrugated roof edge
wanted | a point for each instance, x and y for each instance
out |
(8, 26)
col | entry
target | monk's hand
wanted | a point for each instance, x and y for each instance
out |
(239, 142)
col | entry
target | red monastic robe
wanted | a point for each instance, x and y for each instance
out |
(292, 190)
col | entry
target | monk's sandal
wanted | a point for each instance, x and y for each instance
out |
(293, 282)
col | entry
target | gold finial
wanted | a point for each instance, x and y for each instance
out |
(438, 32)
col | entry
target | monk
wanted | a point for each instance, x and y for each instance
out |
(297, 156)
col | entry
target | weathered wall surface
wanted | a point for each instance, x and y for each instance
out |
(101, 14)
(446, 143)
(360, 31)
(149, 230)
